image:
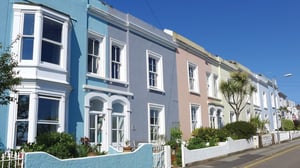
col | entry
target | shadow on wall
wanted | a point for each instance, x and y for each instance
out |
(2, 147)
(74, 116)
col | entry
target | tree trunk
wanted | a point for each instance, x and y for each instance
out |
(237, 115)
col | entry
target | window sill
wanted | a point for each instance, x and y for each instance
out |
(107, 80)
(194, 92)
(156, 90)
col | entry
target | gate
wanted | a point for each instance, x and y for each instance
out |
(161, 156)
(12, 159)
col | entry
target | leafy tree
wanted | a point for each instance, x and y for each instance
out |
(8, 76)
(237, 91)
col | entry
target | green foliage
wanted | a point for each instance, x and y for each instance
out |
(259, 124)
(297, 124)
(8, 77)
(85, 148)
(240, 130)
(287, 125)
(61, 145)
(175, 144)
(203, 137)
(175, 137)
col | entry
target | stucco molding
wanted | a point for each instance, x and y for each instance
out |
(128, 25)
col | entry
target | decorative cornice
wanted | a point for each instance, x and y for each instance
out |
(128, 25)
(107, 90)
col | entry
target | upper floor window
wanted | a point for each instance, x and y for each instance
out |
(264, 96)
(212, 81)
(118, 61)
(96, 59)
(43, 31)
(193, 77)
(154, 71)
(51, 41)
(28, 37)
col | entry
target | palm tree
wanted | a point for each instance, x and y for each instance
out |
(237, 91)
(259, 124)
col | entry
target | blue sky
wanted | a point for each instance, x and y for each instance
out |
(263, 35)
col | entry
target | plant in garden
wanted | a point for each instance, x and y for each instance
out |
(240, 130)
(204, 137)
(175, 144)
(297, 124)
(61, 145)
(8, 76)
(259, 124)
(287, 125)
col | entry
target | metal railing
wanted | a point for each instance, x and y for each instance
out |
(12, 159)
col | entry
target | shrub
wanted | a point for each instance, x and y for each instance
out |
(175, 144)
(259, 124)
(287, 125)
(240, 130)
(61, 145)
(297, 124)
(203, 137)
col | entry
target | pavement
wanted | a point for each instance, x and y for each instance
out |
(242, 159)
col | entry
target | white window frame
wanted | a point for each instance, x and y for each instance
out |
(159, 71)
(33, 114)
(215, 85)
(123, 61)
(50, 122)
(212, 80)
(161, 121)
(193, 81)
(40, 14)
(264, 96)
(101, 71)
(197, 121)
(120, 138)
(35, 68)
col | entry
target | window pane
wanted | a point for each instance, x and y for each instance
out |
(22, 132)
(117, 108)
(23, 107)
(114, 123)
(44, 128)
(96, 47)
(114, 136)
(48, 109)
(96, 105)
(50, 53)
(90, 46)
(27, 48)
(28, 28)
(52, 30)
(92, 135)
(90, 63)
(92, 121)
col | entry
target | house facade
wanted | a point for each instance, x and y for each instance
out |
(93, 71)
(89, 70)
(192, 68)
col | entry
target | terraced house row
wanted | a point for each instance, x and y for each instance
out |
(93, 71)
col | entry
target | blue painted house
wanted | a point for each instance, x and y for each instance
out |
(89, 70)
